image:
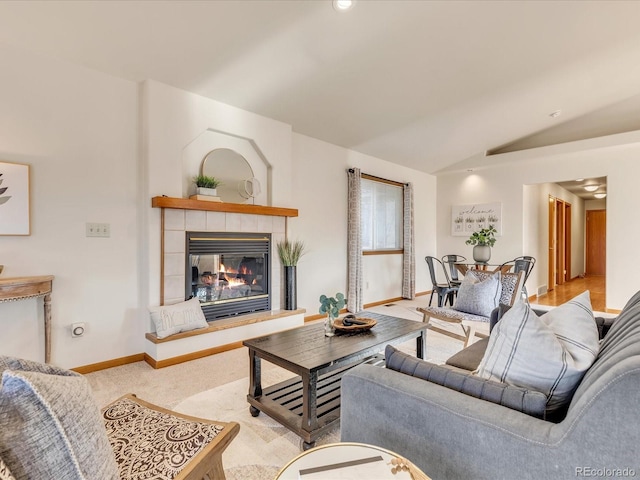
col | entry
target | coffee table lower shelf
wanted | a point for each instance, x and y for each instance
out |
(284, 402)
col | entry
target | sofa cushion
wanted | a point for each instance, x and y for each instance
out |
(469, 358)
(521, 399)
(548, 353)
(479, 297)
(179, 317)
(51, 426)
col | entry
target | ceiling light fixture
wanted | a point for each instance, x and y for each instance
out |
(343, 5)
(599, 195)
(591, 188)
(579, 179)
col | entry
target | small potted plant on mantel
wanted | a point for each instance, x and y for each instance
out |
(482, 240)
(206, 185)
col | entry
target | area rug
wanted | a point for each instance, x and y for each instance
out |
(263, 446)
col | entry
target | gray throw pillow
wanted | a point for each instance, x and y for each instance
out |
(51, 426)
(479, 297)
(548, 353)
(521, 399)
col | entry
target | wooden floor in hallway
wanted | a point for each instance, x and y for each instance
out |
(563, 293)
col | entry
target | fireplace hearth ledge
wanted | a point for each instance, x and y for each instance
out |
(219, 333)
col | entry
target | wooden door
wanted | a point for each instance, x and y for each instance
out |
(596, 242)
(567, 241)
(551, 277)
(560, 260)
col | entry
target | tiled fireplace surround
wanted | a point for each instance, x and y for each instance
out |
(225, 333)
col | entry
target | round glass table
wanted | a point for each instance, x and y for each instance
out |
(346, 461)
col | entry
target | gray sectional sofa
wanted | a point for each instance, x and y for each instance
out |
(453, 435)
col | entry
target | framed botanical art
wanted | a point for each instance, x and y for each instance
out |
(466, 219)
(14, 199)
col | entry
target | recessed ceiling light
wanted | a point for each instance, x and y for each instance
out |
(579, 179)
(599, 195)
(343, 5)
(591, 188)
(555, 114)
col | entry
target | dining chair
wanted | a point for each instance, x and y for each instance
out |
(525, 265)
(450, 261)
(446, 291)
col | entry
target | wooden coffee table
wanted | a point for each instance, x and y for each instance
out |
(309, 404)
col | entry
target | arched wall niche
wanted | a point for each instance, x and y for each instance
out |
(194, 153)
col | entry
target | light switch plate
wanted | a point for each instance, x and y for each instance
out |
(98, 230)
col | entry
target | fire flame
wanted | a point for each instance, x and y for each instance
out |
(234, 280)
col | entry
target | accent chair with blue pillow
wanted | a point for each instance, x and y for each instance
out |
(51, 428)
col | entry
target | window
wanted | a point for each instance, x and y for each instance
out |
(381, 215)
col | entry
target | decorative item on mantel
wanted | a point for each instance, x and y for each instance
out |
(290, 253)
(482, 240)
(331, 306)
(206, 188)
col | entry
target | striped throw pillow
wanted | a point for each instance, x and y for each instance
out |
(549, 354)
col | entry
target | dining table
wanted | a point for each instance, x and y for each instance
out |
(463, 268)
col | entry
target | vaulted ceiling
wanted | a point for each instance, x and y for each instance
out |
(426, 84)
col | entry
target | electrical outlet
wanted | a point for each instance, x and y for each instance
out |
(77, 329)
(98, 230)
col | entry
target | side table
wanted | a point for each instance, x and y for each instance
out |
(349, 460)
(21, 288)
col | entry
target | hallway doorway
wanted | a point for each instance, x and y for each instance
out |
(559, 242)
(596, 242)
(563, 293)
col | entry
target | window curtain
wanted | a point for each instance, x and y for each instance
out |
(354, 247)
(409, 256)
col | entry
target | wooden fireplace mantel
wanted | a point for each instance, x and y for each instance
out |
(188, 204)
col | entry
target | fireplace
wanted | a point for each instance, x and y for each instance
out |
(228, 272)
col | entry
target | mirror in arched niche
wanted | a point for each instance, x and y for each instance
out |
(238, 184)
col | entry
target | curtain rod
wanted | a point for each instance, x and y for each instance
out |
(375, 177)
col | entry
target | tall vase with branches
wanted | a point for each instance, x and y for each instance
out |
(290, 253)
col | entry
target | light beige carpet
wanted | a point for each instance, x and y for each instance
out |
(263, 446)
(216, 387)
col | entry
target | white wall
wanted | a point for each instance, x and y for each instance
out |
(596, 204)
(320, 193)
(99, 148)
(78, 129)
(172, 120)
(616, 157)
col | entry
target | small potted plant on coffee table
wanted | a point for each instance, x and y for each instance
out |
(331, 306)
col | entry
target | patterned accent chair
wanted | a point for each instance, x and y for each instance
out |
(52, 428)
(467, 322)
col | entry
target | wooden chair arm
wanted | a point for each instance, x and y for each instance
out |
(206, 463)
